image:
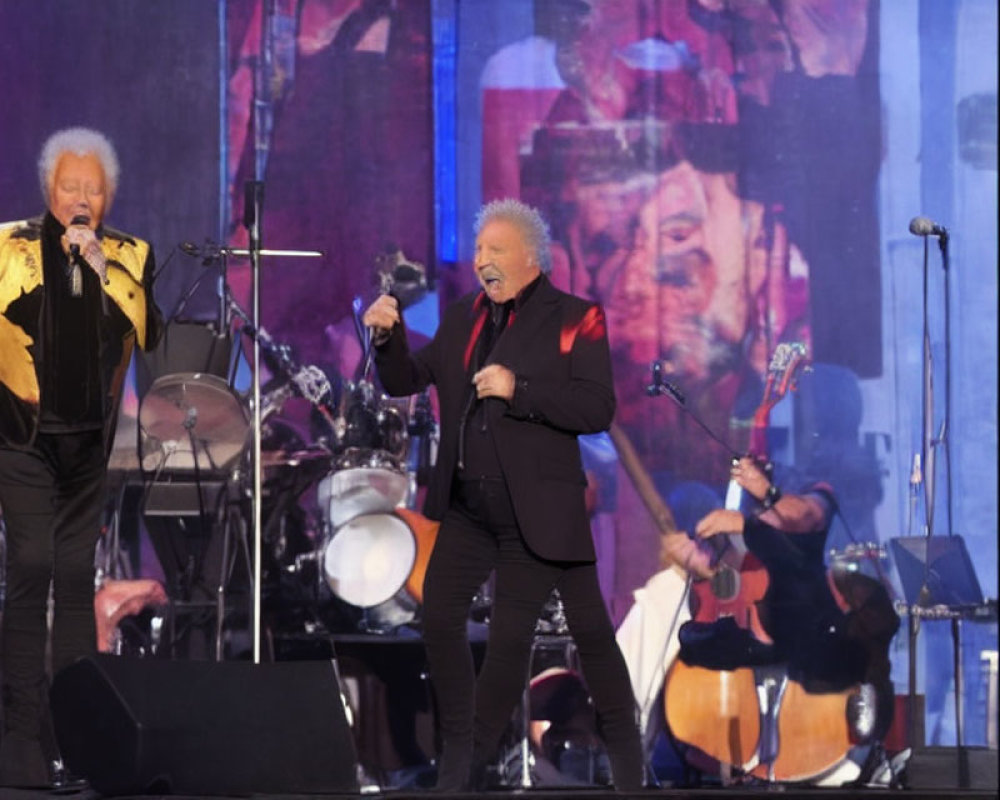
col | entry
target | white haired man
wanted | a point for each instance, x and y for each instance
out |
(75, 298)
(521, 369)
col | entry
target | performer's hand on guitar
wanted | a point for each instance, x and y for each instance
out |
(748, 474)
(677, 548)
(719, 521)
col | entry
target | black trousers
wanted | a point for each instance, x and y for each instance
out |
(479, 534)
(52, 498)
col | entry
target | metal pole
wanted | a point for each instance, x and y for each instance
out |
(253, 196)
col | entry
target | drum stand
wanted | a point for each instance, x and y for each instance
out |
(223, 534)
(235, 544)
(551, 642)
(551, 637)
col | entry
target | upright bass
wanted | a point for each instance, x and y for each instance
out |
(716, 711)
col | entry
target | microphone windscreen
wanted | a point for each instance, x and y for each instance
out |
(921, 226)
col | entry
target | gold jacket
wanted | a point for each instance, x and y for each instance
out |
(130, 266)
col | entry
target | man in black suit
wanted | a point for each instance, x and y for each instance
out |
(521, 370)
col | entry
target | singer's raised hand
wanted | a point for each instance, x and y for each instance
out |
(383, 314)
(81, 242)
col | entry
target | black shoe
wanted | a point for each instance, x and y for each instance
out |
(66, 782)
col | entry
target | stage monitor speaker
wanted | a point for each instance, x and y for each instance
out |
(135, 726)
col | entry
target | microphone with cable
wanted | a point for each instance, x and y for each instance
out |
(79, 219)
(661, 385)
(921, 226)
(100, 268)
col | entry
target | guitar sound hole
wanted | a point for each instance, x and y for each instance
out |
(725, 584)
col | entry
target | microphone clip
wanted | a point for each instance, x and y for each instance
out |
(661, 385)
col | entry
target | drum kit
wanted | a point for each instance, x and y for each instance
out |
(342, 545)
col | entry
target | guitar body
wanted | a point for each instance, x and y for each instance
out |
(735, 593)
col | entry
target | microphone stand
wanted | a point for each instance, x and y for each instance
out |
(252, 202)
(661, 386)
(928, 444)
(927, 467)
(944, 439)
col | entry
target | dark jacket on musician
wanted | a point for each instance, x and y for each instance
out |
(556, 345)
(128, 316)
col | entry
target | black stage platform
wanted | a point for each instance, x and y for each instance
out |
(737, 793)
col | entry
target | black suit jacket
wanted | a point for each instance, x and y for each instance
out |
(557, 348)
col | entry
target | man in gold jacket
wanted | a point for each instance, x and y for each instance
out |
(75, 298)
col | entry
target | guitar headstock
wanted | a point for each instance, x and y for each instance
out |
(786, 362)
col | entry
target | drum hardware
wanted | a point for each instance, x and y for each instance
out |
(252, 213)
(556, 715)
(192, 433)
(308, 381)
(404, 279)
(424, 439)
(118, 594)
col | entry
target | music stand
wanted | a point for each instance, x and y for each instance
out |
(938, 581)
(936, 570)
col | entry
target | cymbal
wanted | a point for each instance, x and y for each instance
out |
(193, 404)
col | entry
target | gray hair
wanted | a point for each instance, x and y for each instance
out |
(82, 142)
(527, 220)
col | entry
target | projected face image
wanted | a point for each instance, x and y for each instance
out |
(684, 296)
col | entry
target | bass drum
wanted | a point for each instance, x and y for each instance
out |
(377, 561)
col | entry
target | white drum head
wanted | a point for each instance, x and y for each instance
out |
(369, 559)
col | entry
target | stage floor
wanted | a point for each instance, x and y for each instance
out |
(742, 793)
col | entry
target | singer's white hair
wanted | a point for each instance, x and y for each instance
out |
(81, 142)
(527, 220)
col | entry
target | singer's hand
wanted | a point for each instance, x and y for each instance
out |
(382, 315)
(80, 239)
(494, 381)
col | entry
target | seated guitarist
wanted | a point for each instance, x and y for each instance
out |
(787, 533)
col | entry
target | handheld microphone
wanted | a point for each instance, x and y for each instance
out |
(79, 219)
(921, 226)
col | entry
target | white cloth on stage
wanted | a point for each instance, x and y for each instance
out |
(648, 638)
